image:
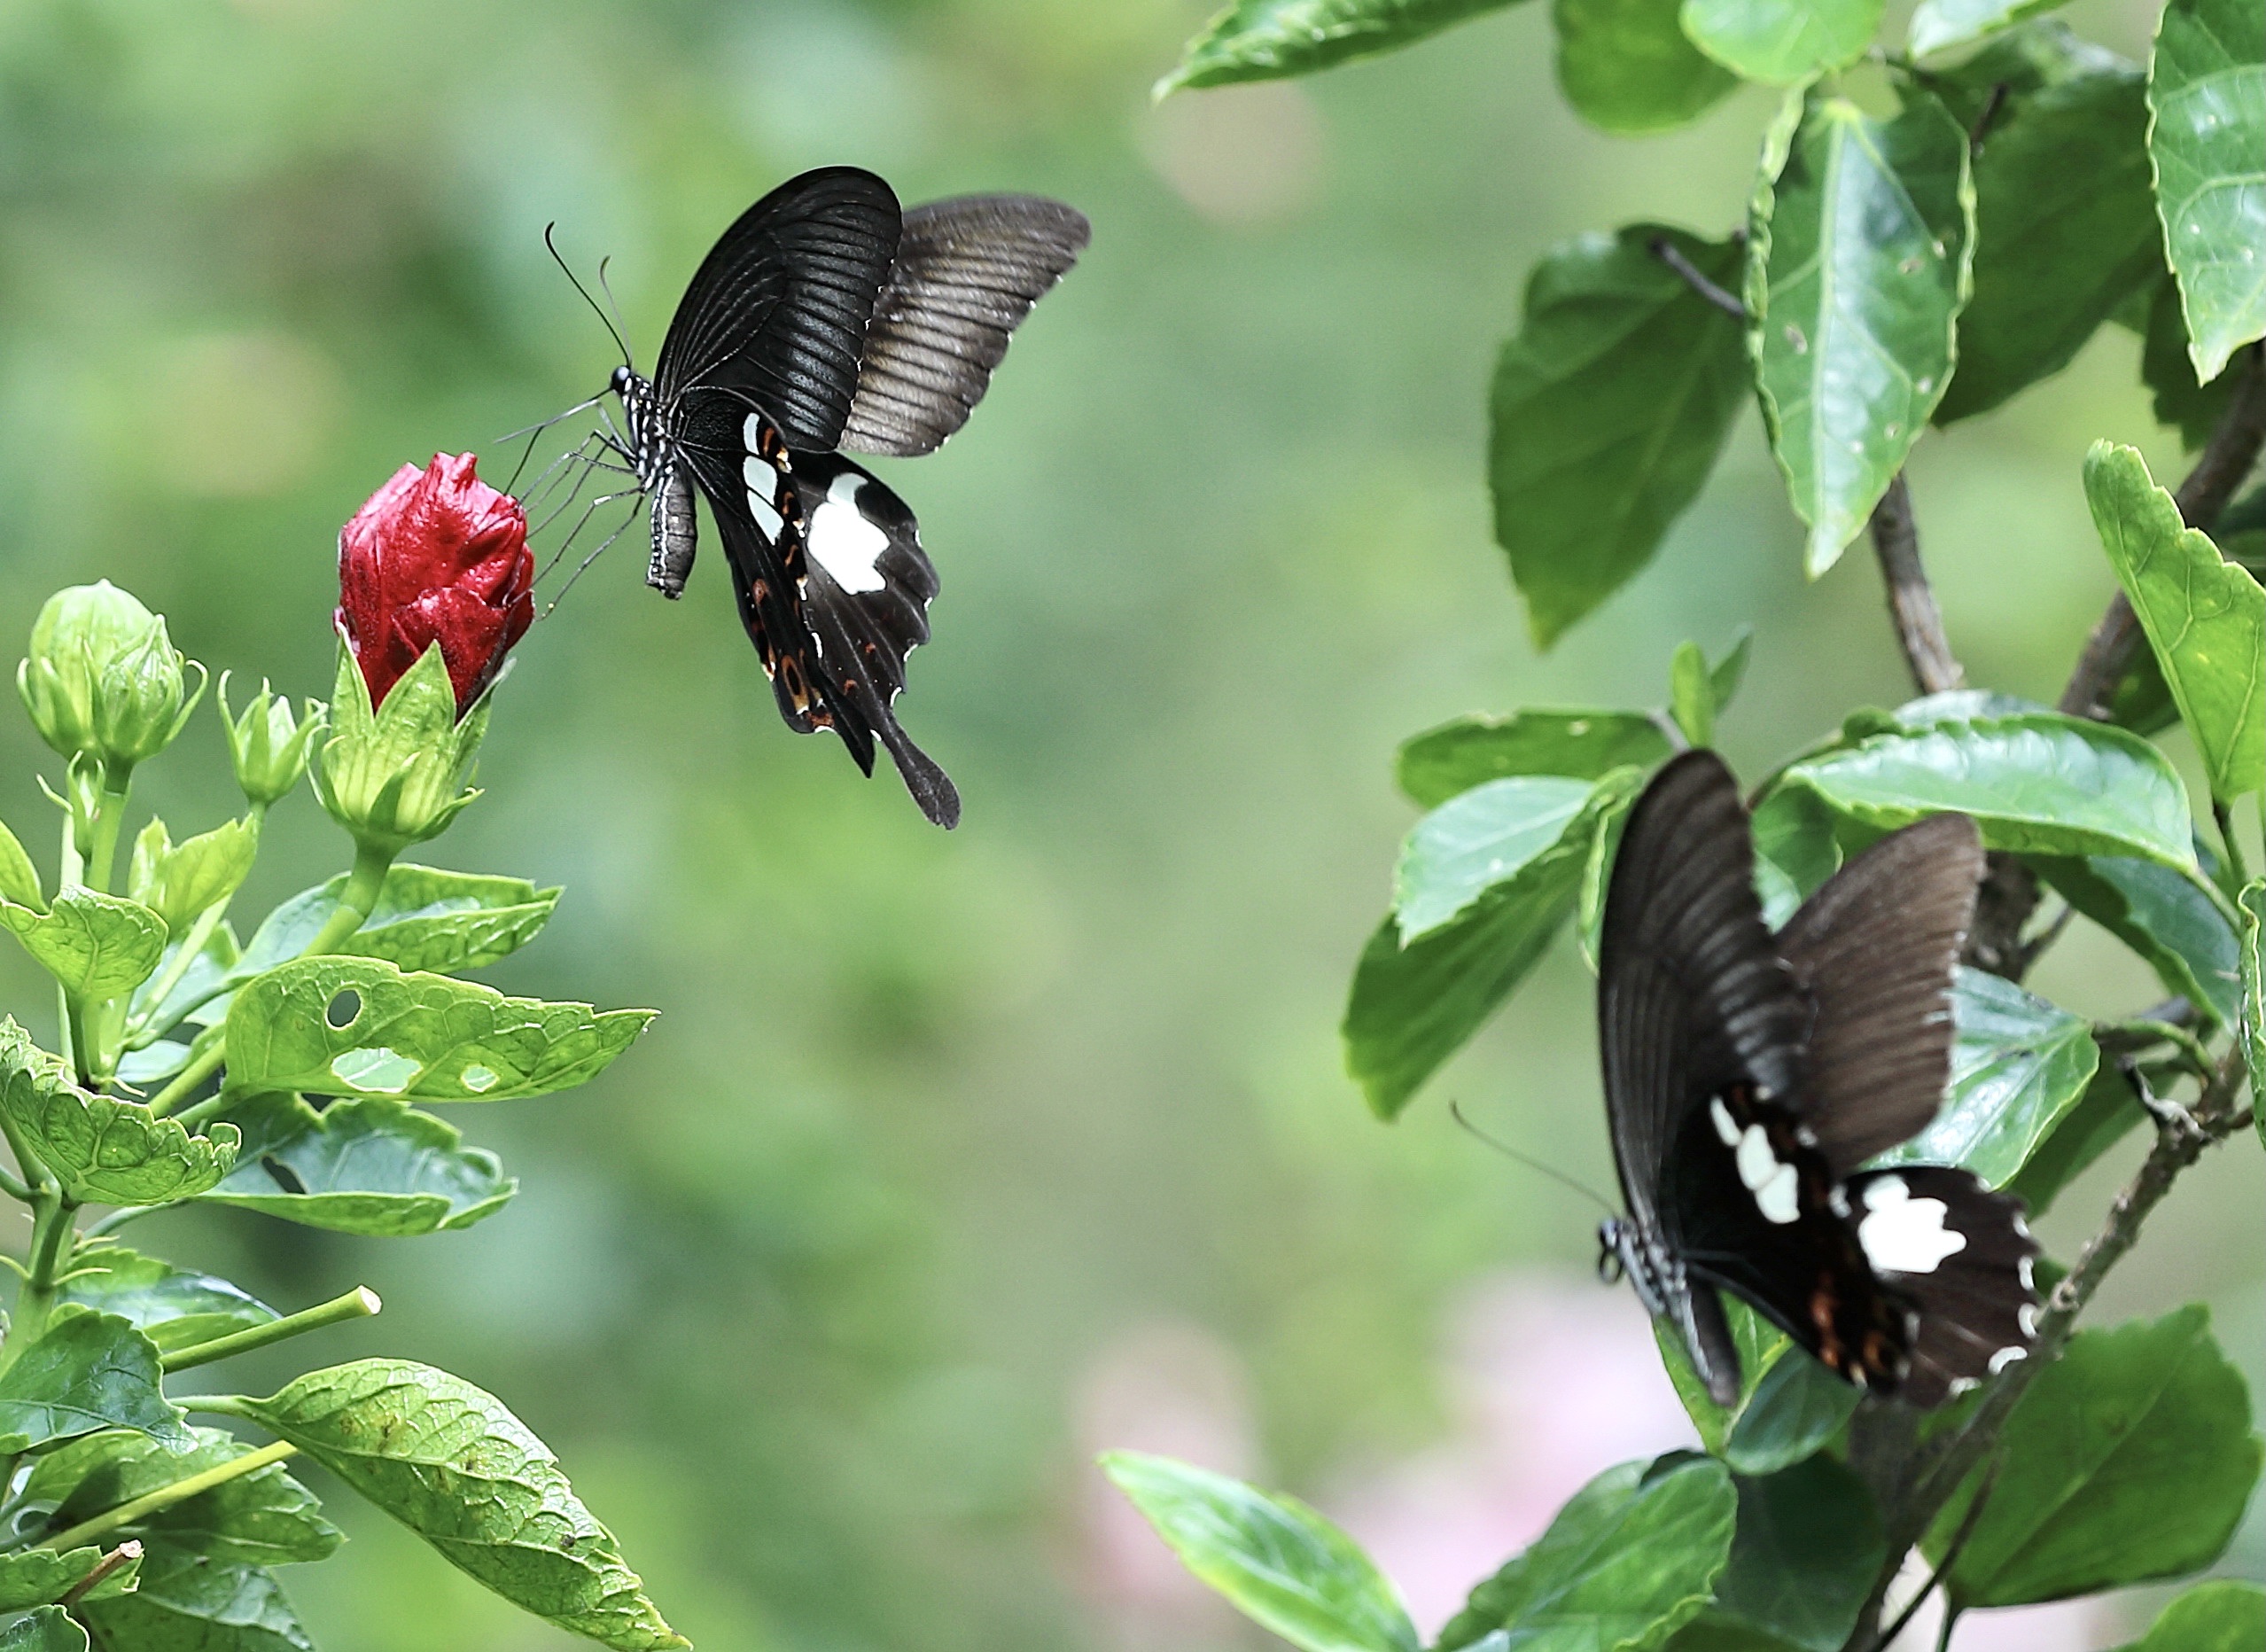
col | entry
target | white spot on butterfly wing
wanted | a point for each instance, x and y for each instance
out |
(1902, 1234)
(1779, 1198)
(2006, 1357)
(1777, 1187)
(842, 542)
(1725, 1125)
(762, 490)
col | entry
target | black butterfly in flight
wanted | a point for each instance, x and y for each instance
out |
(827, 318)
(1749, 1077)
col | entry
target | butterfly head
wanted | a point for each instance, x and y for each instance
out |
(1621, 1253)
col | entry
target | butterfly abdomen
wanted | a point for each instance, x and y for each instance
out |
(676, 534)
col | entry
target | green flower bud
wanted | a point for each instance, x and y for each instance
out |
(396, 775)
(103, 679)
(268, 747)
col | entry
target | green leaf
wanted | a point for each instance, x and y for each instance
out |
(2036, 784)
(2252, 902)
(96, 946)
(18, 877)
(1631, 1557)
(1626, 66)
(49, 1629)
(375, 1166)
(2207, 91)
(2221, 1616)
(2130, 1459)
(423, 1037)
(2179, 399)
(105, 1151)
(1759, 1343)
(1936, 24)
(1597, 873)
(172, 1306)
(1793, 834)
(263, 1518)
(2066, 232)
(424, 919)
(1857, 267)
(2019, 1064)
(1470, 844)
(2104, 1115)
(1782, 42)
(1281, 1565)
(1443, 762)
(1789, 1405)
(1412, 1006)
(1690, 696)
(195, 996)
(178, 882)
(39, 1577)
(1808, 1546)
(85, 1372)
(1264, 40)
(1608, 412)
(187, 1602)
(448, 1462)
(1725, 675)
(2205, 616)
(2176, 921)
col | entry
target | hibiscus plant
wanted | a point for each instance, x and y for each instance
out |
(284, 1067)
(1935, 227)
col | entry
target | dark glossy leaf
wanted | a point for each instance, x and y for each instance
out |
(2205, 616)
(85, 1372)
(1858, 266)
(1443, 762)
(1938, 24)
(103, 1150)
(2206, 90)
(2066, 232)
(1264, 40)
(1282, 1565)
(2038, 53)
(2180, 400)
(2102, 1116)
(263, 1518)
(40, 1577)
(1630, 1558)
(1782, 42)
(2039, 784)
(1759, 1343)
(1609, 410)
(1627, 65)
(2252, 904)
(2019, 1065)
(189, 1603)
(1789, 1405)
(448, 1462)
(1808, 1546)
(425, 1038)
(172, 1306)
(424, 919)
(2174, 920)
(374, 1166)
(2221, 1616)
(1472, 843)
(2130, 1459)
(49, 1629)
(98, 946)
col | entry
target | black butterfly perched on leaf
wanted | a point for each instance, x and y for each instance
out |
(826, 319)
(1749, 1078)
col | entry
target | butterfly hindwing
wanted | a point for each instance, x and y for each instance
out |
(1962, 1255)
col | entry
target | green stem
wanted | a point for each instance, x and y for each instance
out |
(2225, 815)
(14, 1189)
(355, 902)
(192, 947)
(55, 1226)
(167, 1496)
(358, 1303)
(69, 869)
(33, 1169)
(189, 1078)
(2196, 1056)
(74, 1018)
(110, 815)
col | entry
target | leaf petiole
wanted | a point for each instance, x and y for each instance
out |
(360, 1302)
(166, 1496)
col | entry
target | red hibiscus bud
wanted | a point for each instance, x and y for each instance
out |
(437, 556)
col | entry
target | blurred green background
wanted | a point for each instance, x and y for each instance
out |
(951, 1158)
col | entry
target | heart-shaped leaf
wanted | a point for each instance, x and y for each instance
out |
(98, 946)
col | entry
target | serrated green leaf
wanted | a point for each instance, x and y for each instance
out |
(2222, 1615)
(2036, 784)
(1858, 257)
(2066, 232)
(373, 1166)
(2252, 904)
(189, 1603)
(172, 1306)
(1443, 762)
(1939, 24)
(1264, 40)
(425, 1038)
(1626, 66)
(2207, 93)
(1280, 1563)
(39, 1577)
(2176, 921)
(1782, 42)
(1468, 846)
(1808, 1546)
(448, 1462)
(424, 918)
(179, 881)
(263, 1518)
(98, 946)
(103, 1150)
(49, 1629)
(1631, 1557)
(18, 877)
(2130, 1458)
(1608, 411)
(2205, 616)
(2102, 1116)
(2019, 1065)
(84, 1372)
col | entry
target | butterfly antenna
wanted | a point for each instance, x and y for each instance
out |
(613, 303)
(1455, 1111)
(604, 320)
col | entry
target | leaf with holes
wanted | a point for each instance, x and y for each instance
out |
(40, 1577)
(448, 1462)
(96, 946)
(2222, 1615)
(359, 1027)
(1608, 412)
(172, 1306)
(2205, 616)
(85, 1372)
(2176, 921)
(101, 1148)
(373, 1166)
(1446, 762)
(424, 918)
(1857, 267)
(1282, 1565)
(1264, 40)
(1634, 1555)
(1808, 1546)
(2206, 90)
(264, 1518)
(1782, 42)
(1627, 65)
(2130, 1457)
(192, 1603)
(2019, 1064)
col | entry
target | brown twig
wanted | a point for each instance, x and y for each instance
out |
(125, 1554)
(1912, 599)
(1952, 1550)
(1694, 278)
